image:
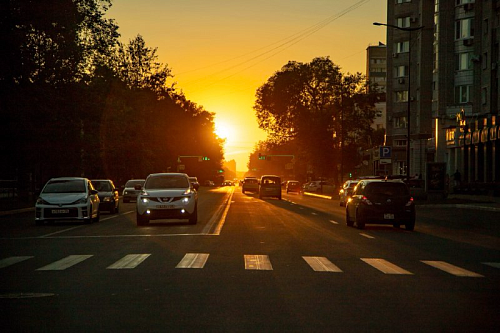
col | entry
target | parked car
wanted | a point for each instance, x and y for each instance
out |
(67, 198)
(270, 186)
(194, 182)
(381, 201)
(316, 186)
(292, 186)
(166, 196)
(108, 195)
(129, 192)
(346, 191)
(250, 184)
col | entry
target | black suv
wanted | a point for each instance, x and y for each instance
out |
(382, 202)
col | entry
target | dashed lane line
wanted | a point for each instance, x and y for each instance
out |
(64, 263)
(334, 222)
(321, 264)
(367, 236)
(193, 260)
(385, 267)
(129, 261)
(13, 260)
(449, 268)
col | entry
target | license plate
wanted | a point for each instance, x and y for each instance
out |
(389, 216)
(60, 211)
(165, 206)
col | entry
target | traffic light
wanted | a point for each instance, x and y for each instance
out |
(262, 157)
(206, 158)
(220, 171)
(350, 174)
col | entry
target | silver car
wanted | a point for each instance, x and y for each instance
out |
(167, 196)
(346, 191)
(69, 198)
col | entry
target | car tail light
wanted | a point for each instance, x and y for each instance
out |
(366, 201)
(410, 202)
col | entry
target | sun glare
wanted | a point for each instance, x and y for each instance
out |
(224, 131)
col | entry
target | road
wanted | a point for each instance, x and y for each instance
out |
(252, 265)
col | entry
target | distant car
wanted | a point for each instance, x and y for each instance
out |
(209, 183)
(166, 196)
(129, 192)
(194, 182)
(381, 201)
(346, 191)
(250, 184)
(292, 186)
(68, 198)
(108, 195)
(270, 186)
(316, 186)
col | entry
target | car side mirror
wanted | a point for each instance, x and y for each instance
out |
(137, 187)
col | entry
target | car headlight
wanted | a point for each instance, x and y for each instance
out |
(40, 201)
(81, 201)
(185, 200)
(145, 199)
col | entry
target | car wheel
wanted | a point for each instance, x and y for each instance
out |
(360, 223)
(410, 225)
(193, 219)
(141, 220)
(348, 219)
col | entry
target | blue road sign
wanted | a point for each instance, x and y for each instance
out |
(385, 151)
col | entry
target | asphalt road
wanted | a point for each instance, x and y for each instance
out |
(252, 265)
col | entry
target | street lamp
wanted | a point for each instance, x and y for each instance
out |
(409, 30)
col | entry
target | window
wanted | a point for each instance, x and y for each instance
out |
(464, 28)
(402, 96)
(486, 26)
(402, 47)
(400, 122)
(402, 1)
(461, 2)
(403, 22)
(484, 96)
(463, 94)
(400, 71)
(464, 61)
(450, 134)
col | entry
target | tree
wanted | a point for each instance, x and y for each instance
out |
(315, 103)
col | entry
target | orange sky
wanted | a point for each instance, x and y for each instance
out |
(221, 51)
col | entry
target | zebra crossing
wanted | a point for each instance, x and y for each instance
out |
(251, 262)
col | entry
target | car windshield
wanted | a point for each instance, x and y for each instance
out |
(65, 186)
(387, 189)
(251, 181)
(132, 183)
(167, 181)
(102, 186)
(271, 181)
(353, 184)
(193, 179)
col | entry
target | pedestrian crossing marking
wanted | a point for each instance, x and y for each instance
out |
(258, 262)
(129, 261)
(193, 260)
(367, 236)
(449, 268)
(385, 267)
(334, 222)
(64, 263)
(322, 264)
(492, 264)
(13, 260)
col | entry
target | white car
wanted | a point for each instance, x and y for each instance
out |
(315, 186)
(69, 198)
(166, 196)
(346, 191)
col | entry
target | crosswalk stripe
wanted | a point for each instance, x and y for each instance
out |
(129, 261)
(492, 264)
(367, 236)
(193, 260)
(258, 262)
(334, 222)
(449, 268)
(385, 267)
(13, 260)
(322, 264)
(64, 263)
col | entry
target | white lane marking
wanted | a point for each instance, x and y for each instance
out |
(219, 217)
(313, 213)
(13, 260)
(492, 264)
(301, 207)
(367, 236)
(129, 261)
(322, 264)
(452, 269)
(385, 267)
(258, 262)
(193, 260)
(334, 222)
(60, 231)
(64, 263)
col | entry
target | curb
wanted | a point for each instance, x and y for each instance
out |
(16, 211)
(317, 195)
(463, 206)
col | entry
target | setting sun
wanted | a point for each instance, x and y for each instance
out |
(224, 131)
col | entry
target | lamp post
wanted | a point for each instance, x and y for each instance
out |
(408, 113)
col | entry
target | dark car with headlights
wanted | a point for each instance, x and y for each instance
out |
(108, 195)
(129, 192)
(381, 201)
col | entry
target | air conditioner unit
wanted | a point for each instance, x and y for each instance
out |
(468, 42)
(401, 80)
(394, 55)
(468, 7)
